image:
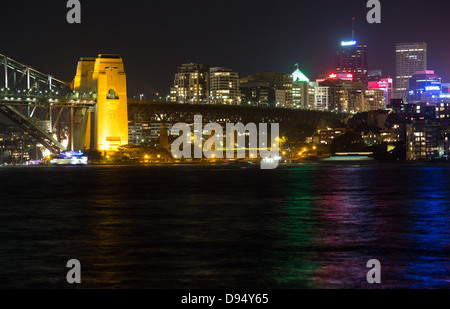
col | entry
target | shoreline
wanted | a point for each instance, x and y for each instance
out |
(252, 165)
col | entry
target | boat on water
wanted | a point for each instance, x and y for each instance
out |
(351, 156)
(238, 163)
(70, 158)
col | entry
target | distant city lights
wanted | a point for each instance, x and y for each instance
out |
(433, 88)
(348, 43)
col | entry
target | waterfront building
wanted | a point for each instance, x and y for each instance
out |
(424, 128)
(327, 136)
(18, 147)
(139, 133)
(425, 141)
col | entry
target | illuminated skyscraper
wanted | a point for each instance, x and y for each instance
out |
(352, 58)
(410, 58)
(191, 84)
(224, 86)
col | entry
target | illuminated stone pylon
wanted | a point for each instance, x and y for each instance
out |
(104, 79)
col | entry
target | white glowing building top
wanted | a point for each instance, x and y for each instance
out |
(298, 76)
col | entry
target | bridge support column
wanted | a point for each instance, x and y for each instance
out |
(50, 118)
(164, 137)
(5, 64)
(79, 128)
(72, 132)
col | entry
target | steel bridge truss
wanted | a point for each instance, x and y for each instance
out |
(26, 94)
(296, 124)
(170, 113)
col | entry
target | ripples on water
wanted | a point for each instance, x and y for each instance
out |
(304, 226)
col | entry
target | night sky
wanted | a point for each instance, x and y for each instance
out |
(154, 37)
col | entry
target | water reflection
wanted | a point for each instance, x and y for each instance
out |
(429, 231)
(303, 226)
(294, 253)
(335, 219)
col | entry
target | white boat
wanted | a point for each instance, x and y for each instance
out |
(70, 158)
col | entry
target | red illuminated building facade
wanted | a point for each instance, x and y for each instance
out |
(385, 84)
(352, 59)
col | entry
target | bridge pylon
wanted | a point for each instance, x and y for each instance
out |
(105, 126)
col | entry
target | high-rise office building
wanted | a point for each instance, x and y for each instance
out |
(410, 58)
(385, 84)
(282, 85)
(312, 94)
(279, 91)
(224, 86)
(191, 84)
(300, 89)
(322, 98)
(425, 86)
(254, 92)
(374, 99)
(339, 92)
(352, 58)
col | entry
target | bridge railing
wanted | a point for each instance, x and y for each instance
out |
(17, 75)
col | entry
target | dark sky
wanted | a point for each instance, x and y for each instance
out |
(154, 37)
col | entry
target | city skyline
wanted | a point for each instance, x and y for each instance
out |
(154, 39)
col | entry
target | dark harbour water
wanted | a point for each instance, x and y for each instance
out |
(299, 226)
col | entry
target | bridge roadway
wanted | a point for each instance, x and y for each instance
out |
(45, 101)
(295, 124)
(169, 113)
